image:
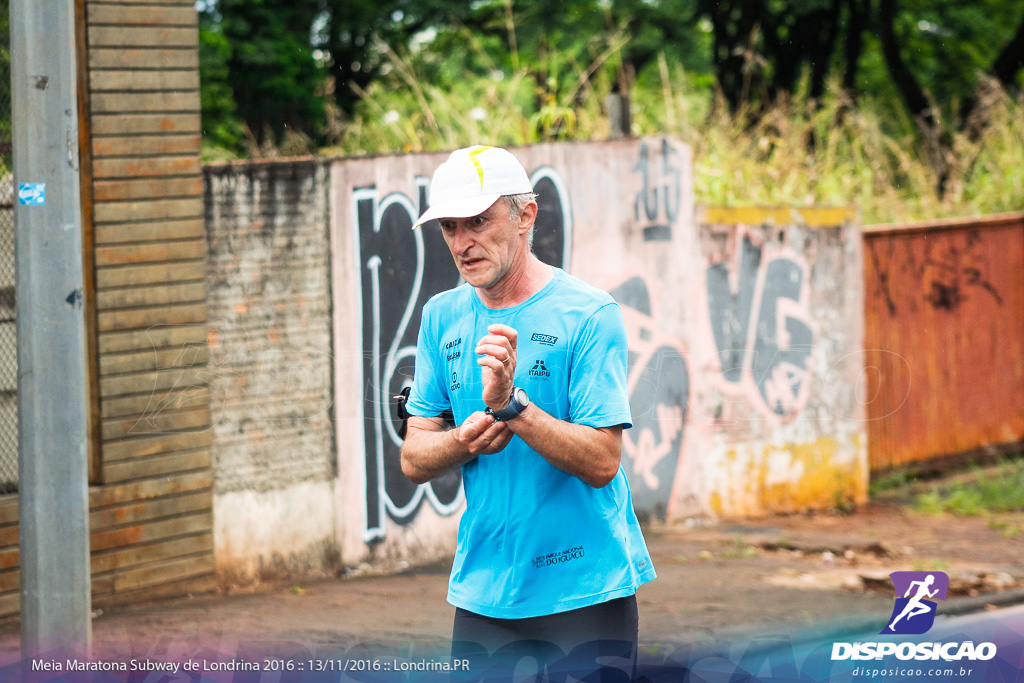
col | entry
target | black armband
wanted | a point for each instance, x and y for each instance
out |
(403, 413)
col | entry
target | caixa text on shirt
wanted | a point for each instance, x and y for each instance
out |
(552, 559)
(452, 350)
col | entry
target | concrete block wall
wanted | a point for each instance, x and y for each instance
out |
(271, 368)
(150, 493)
(151, 516)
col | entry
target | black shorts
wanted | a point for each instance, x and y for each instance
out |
(598, 642)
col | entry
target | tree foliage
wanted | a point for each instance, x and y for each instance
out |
(308, 65)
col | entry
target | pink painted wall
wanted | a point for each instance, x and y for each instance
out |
(745, 338)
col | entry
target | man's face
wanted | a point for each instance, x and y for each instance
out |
(488, 246)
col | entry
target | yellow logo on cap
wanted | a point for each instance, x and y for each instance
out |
(476, 162)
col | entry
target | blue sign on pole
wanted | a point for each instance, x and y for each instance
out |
(32, 194)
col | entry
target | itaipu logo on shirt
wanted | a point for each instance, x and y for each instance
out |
(540, 370)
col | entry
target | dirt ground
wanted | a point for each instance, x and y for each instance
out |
(782, 575)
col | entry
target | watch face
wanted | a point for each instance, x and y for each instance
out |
(521, 397)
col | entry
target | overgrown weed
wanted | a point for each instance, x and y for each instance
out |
(985, 494)
(801, 152)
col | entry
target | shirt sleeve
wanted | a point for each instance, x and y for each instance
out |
(429, 395)
(598, 395)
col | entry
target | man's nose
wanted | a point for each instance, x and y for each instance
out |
(461, 241)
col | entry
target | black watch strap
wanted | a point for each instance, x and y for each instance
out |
(517, 403)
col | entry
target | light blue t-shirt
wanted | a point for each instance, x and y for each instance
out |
(535, 540)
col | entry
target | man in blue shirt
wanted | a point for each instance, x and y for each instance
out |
(532, 363)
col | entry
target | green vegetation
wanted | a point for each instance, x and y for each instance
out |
(984, 494)
(903, 112)
(893, 481)
(1007, 529)
(920, 565)
(799, 152)
(740, 549)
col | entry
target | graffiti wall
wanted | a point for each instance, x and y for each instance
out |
(734, 332)
(781, 408)
(390, 271)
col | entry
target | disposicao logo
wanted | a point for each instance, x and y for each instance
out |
(914, 614)
(916, 592)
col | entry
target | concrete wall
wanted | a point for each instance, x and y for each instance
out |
(744, 331)
(270, 368)
(745, 337)
(778, 415)
(383, 273)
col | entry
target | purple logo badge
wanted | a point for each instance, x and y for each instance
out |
(916, 593)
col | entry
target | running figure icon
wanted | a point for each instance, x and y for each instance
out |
(915, 607)
(916, 596)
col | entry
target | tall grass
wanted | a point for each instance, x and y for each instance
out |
(799, 152)
(986, 494)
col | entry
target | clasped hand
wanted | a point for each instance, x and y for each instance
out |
(480, 433)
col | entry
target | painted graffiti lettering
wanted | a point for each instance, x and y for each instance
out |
(658, 381)
(664, 193)
(730, 310)
(399, 270)
(396, 283)
(762, 329)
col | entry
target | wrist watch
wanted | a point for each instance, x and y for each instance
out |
(517, 403)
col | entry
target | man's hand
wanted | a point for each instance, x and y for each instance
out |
(497, 352)
(431, 449)
(481, 435)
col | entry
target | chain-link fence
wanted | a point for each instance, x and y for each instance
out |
(8, 338)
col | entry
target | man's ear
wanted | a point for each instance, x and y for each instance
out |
(528, 217)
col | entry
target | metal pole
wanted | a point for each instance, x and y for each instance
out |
(53, 500)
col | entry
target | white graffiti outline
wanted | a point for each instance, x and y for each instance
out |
(394, 353)
(378, 532)
(563, 200)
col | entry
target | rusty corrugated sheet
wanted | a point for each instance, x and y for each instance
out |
(943, 335)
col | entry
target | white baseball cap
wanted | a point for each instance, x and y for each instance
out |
(471, 180)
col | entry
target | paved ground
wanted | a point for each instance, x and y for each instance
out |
(784, 575)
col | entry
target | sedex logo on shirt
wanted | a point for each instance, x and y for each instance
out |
(544, 339)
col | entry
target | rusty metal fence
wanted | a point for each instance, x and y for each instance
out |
(944, 338)
(8, 340)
